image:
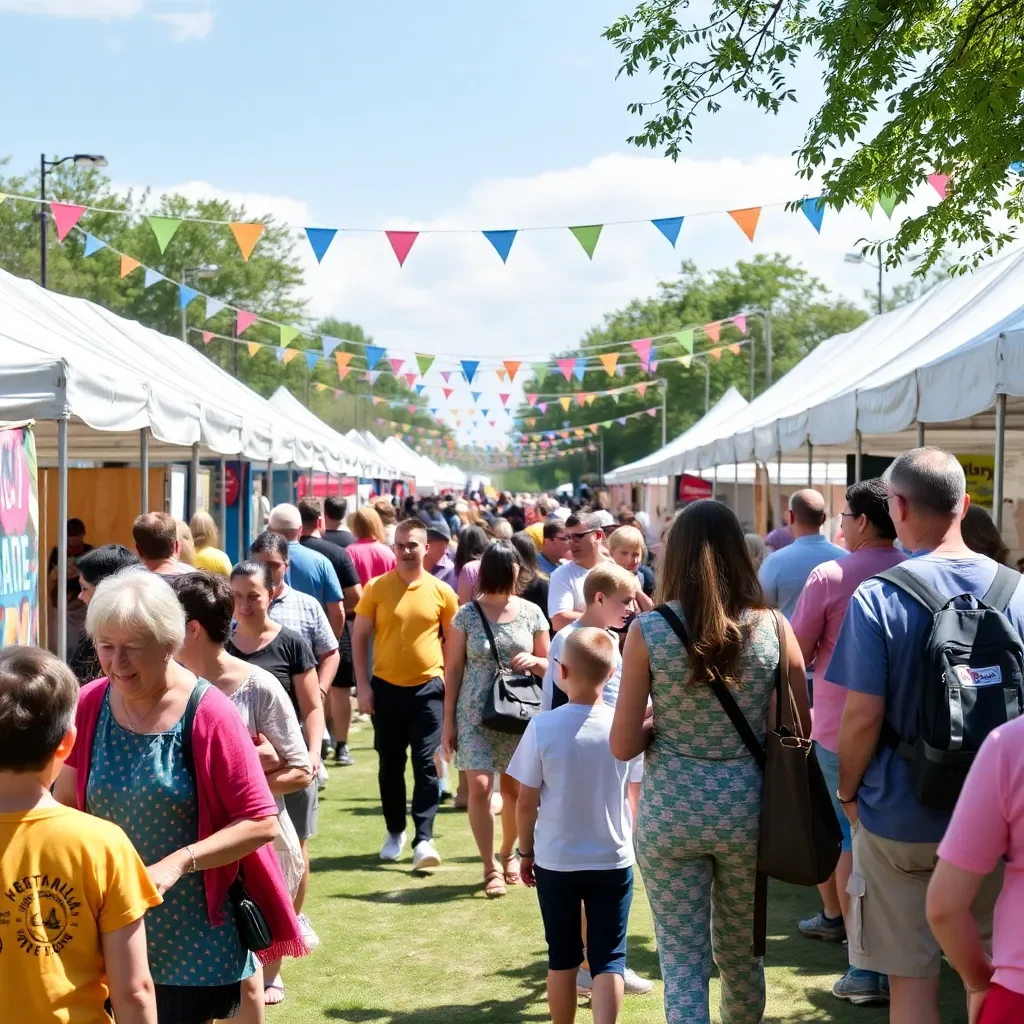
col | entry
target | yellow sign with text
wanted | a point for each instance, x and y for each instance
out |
(980, 472)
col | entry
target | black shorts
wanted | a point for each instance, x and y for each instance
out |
(186, 1004)
(345, 677)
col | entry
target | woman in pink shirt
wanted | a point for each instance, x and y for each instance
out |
(987, 826)
(817, 619)
(370, 555)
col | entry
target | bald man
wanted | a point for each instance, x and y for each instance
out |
(785, 572)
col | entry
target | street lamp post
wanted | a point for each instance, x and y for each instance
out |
(82, 160)
(203, 272)
(859, 257)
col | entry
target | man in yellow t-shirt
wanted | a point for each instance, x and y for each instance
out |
(73, 891)
(409, 612)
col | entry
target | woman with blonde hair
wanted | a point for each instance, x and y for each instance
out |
(697, 828)
(208, 554)
(370, 554)
(186, 545)
(389, 519)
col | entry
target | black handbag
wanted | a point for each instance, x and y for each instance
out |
(513, 698)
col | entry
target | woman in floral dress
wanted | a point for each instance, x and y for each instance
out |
(521, 635)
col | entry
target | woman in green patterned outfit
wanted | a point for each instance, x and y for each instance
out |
(696, 836)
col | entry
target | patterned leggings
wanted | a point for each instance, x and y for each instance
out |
(696, 846)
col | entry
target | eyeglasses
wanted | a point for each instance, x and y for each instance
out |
(890, 499)
(579, 536)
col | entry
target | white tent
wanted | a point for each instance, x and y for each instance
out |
(351, 460)
(388, 468)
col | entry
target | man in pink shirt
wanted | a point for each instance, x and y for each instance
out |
(817, 619)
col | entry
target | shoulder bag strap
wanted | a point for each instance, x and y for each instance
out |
(187, 721)
(490, 635)
(725, 698)
(912, 584)
(783, 696)
(1004, 586)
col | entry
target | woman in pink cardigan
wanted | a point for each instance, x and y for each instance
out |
(194, 835)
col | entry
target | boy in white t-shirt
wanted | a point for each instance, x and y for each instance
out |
(574, 830)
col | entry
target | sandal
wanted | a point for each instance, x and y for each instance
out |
(511, 874)
(273, 988)
(494, 885)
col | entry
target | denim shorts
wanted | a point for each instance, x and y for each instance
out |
(606, 896)
(830, 769)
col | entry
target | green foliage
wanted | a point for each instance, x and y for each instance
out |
(942, 78)
(803, 313)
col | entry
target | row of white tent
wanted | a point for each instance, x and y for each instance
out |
(67, 360)
(948, 366)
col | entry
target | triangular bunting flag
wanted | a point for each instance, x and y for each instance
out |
(608, 361)
(448, 392)
(163, 229)
(740, 323)
(641, 389)
(342, 359)
(654, 366)
(715, 353)
(500, 374)
(939, 182)
(128, 265)
(288, 354)
(288, 335)
(566, 365)
(320, 241)
(686, 361)
(476, 395)
(492, 423)
(152, 276)
(579, 368)
(424, 362)
(371, 377)
(484, 412)
(652, 412)
(401, 243)
(343, 372)
(887, 201)
(642, 347)
(374, 354)
(669, 227)
(565, 401)
(685, 338)
(713, 330)
(185, 295)
(93, 244)
(213, 307)
(531, 399)
(246, 235)
(312, 358)
(734, 349)
(329, 344)
(319, 388)
(420, 388)
(504, 399)
(410, 378)
(580, 397)
(207, 337)
(587, 235)
(511, 367)
(396, 365)
(814, 211)
(469, 367)
(606, 423)
(411, 408)
(591, 399)
(502, 242)
(540, 371)
(621, 420)
(66, 216)
(253, 347)
(243, 321)
(279, 354)
(747, 219)
(543, 406)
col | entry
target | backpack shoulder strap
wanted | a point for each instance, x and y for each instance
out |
(1004, 586)
(912, 584)
(725, 698)
(187, 721)
(490, 634)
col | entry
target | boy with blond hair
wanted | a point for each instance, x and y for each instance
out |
(574, 830)
(628, 549)
(74, 890)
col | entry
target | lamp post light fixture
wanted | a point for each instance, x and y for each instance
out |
(81, 160)
(859, 257)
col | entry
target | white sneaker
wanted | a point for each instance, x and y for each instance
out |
(393, 846)
(309, 936)
(321, 777)
(634, 985)
(425, 856)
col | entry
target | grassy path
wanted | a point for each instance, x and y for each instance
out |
(399, 949)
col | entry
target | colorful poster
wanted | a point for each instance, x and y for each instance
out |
(980, 471)
(19, 538)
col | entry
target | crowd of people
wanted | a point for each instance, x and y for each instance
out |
(543, 662)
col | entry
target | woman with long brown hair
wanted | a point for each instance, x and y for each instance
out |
(696, 835)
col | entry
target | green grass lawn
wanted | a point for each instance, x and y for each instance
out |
(400, 949)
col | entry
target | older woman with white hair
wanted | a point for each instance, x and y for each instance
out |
(196, 821)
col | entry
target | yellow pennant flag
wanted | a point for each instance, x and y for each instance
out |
(253, 347)
(289, 355)
(686, 361)
(734, 349)
(342, 359)
(318, 386)
(715, 353)
(246, 235)
(128, 265)
(590, 399)
(565, 401)
(608, 361)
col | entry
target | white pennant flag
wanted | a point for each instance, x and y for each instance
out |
(213, 307)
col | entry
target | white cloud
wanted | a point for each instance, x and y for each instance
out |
(99, 10)
(186, 25)
(454, 295)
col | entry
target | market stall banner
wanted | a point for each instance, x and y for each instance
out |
(980, 471)
(19, 538)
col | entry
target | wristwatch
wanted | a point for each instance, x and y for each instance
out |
(839, 797)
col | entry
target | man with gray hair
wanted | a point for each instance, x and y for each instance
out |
(881, 659)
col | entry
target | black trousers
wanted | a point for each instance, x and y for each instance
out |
(404, 718)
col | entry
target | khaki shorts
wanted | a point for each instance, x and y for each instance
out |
(887, 926)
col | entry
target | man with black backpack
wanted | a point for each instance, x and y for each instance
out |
(931, 655)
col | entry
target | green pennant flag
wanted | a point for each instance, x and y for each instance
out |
(288, 335)
(887, 201)
(685, 338)
(424, 362)
(587, 235)
(540, 371)
(164, 228)
(606, 423)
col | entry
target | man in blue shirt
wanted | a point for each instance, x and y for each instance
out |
(785, 571)
(879, 658)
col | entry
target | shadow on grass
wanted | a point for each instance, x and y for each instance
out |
(414, 897)
(347, 862)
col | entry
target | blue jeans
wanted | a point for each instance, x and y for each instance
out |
(830, 769)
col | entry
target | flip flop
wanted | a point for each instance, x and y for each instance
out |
(273, 988)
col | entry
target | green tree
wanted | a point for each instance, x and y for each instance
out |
(910, 89)
(803, 313)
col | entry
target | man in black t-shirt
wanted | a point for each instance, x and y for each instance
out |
(334, 529)
(339, 700)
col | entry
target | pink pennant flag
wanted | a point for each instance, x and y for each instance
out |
(654, 366)
(531, 399)
(566, 365)
(448, 392)
(493, 423)
(343, 372)
(652, 412)
(207, 337)
(411, 408)
(504, 398)
(410, 378)
(939, 183)
(740, 323)
(66, 216)
(396, 365)
(643, 350)
(641, 389)
(543, 406)
(401, 243)
(244, 321)
(713, 331)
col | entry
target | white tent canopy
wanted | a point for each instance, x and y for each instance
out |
(390, 469)
(354, 460)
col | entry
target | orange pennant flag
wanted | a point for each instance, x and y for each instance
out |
(734, 349)
(713, 331)
(747, 219)
(500, 373)
(246, 235)
(253, 347)
(320, 387)
(608, 361)
(128, 265)
(289, 355)
(715, 353)
(512, 366)
(342, 359)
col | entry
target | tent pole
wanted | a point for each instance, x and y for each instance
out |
(714, 483)
(222, 472)
(243, 541)
(707, 385)
(144, 469)
(810, 463)
(736, 486)
(193, 481)
(858, 459)
(920, 435)
(664, 413)
(1000, 459)
(62, 539)
(270, 482)
(327, 485)
(778, 487)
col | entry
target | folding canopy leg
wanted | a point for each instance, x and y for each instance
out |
(1000, 459)
(62, 538)
(144, 470)
(222, 471)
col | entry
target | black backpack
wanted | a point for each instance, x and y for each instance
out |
(972, 681)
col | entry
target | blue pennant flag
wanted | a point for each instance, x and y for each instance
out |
(433, 412)
(1017, 166)
(469, 367)
(152, 276)
(279, 354)
(669, 227)
(93, 244)
(502, 242)
(814, 211)
(185, 295)
(374, 355)
(579, 367)
(476, 396)
(329, 344)
(320, 241)
(483, 412)
(312, 358)
(419, 388)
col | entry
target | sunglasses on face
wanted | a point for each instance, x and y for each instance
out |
(579, 536)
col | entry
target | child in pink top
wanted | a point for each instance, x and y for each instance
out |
(987, 826)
